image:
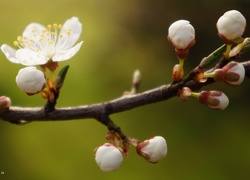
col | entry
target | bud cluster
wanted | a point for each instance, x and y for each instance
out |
(231, 26)
(109, 156)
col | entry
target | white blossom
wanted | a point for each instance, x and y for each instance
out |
(153, 150)
(108, 157)
(181, 34)
(39, 44)
(231, 25)
(30, 80)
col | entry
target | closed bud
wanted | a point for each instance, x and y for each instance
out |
(214, 99)
(233, 73)
(231, 26)
(153, 150)
(177, 73)
(4, 104)
(30, 80)
(184, 93)
(108, 157)
(182, 35)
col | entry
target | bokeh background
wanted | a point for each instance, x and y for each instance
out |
(119, 37)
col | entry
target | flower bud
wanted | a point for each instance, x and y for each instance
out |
(177, 73)
(214, 99)
(4, 104)
(231, 26)
(182, 35)
(153, 150)
(108, 157)
(233, 73)
(184, 93)
(30, 80)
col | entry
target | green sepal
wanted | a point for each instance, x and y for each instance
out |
(246, 46)
(207, 62)
(60, 78)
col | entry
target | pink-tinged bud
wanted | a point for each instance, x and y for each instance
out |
(214, 99)
(182, 35)
(4, 104)
(108, 157)
(30, 80)
(233, 73)
(153, 150)
(231, 26)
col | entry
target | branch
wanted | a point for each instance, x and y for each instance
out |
(19, 115)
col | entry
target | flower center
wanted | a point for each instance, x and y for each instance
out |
(43, 41)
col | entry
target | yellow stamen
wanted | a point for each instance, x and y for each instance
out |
(68, 31)
(55, 26)
(19, 38)
(16, 43)
(49, 26)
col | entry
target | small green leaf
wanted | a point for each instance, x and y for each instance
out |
(60, 78)
(208, 61)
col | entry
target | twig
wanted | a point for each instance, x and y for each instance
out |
(24, 114)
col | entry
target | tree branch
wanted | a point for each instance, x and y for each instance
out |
(20, 115)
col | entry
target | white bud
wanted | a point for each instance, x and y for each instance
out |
(108, 157)
(235, 73)
(214, 99)
(231, 25)
(153, 150)
(181, 34)
(30, 80)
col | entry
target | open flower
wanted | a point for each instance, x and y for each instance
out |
(30, 80)
(153, 150)
(108, 157)
(231, 26)
(40, 45)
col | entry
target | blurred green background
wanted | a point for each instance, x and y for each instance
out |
(119, 37)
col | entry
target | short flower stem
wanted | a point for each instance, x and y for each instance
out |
(50, 106)
(181, 62)
(196, 95)
(226, 54)
(208, 75)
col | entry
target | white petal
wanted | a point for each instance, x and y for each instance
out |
(10, 53)
(33, 32)
(28, 57)
(67, 54)
(32, 29)
(67, 41)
